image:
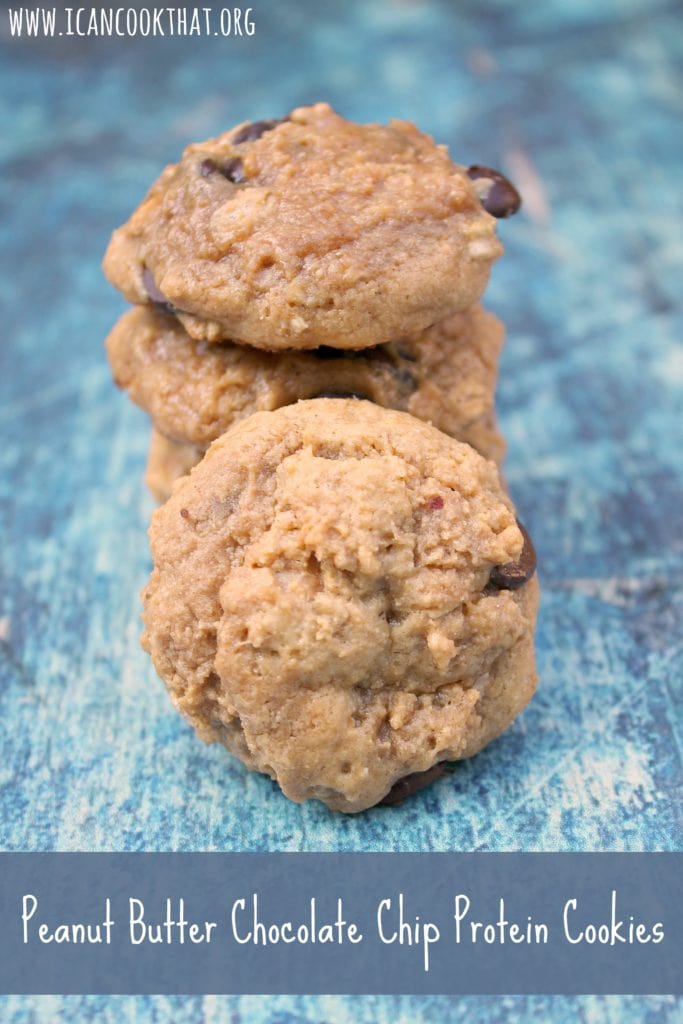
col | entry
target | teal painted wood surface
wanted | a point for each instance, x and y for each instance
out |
(581, 104)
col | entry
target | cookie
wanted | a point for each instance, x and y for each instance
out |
(310, 230)
(167, 461)
(337, 597)
(195, 391)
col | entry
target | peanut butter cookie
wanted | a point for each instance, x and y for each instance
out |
(342, 596)
(195, 391)
(311, 230)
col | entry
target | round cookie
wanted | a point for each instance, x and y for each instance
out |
(195, 391)
(167, 461)
(306, 231)
(341, 596)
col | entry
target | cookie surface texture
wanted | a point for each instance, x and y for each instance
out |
(320, 599)
(167, 461)
(310, 230)
(195, 391)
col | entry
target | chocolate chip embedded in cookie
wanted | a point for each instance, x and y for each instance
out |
(320, 600)
(308, 231)
(195, 391)
(497, 193)
(254, 130)
(411, 784)
(515, 574)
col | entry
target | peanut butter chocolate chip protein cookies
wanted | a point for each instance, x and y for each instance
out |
(311, 230)
(342, 596)
(195, 391)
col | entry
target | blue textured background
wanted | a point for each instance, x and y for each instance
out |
(581, 103)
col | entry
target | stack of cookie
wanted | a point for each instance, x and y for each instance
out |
(196, 390)
(311, 256)
(297, 275)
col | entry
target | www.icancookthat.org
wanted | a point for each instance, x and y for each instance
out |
(127, 22)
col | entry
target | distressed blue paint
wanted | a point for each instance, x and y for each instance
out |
(590, 397)
(345, 1010)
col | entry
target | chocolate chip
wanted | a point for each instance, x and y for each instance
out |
(233, 170)
(500, 198)
(342, 394)
(154, 294)
(515, 574)
(207, 168)
(410, 784)
(256, 129)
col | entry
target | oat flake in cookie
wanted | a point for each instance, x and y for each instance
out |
(308, 230)
(195, 391)
(322, 600)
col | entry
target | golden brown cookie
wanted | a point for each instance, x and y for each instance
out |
(195, 391)
(309, 231)
(167, 461)
(342, 596)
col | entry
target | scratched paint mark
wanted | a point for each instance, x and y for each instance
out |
(530, 184)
